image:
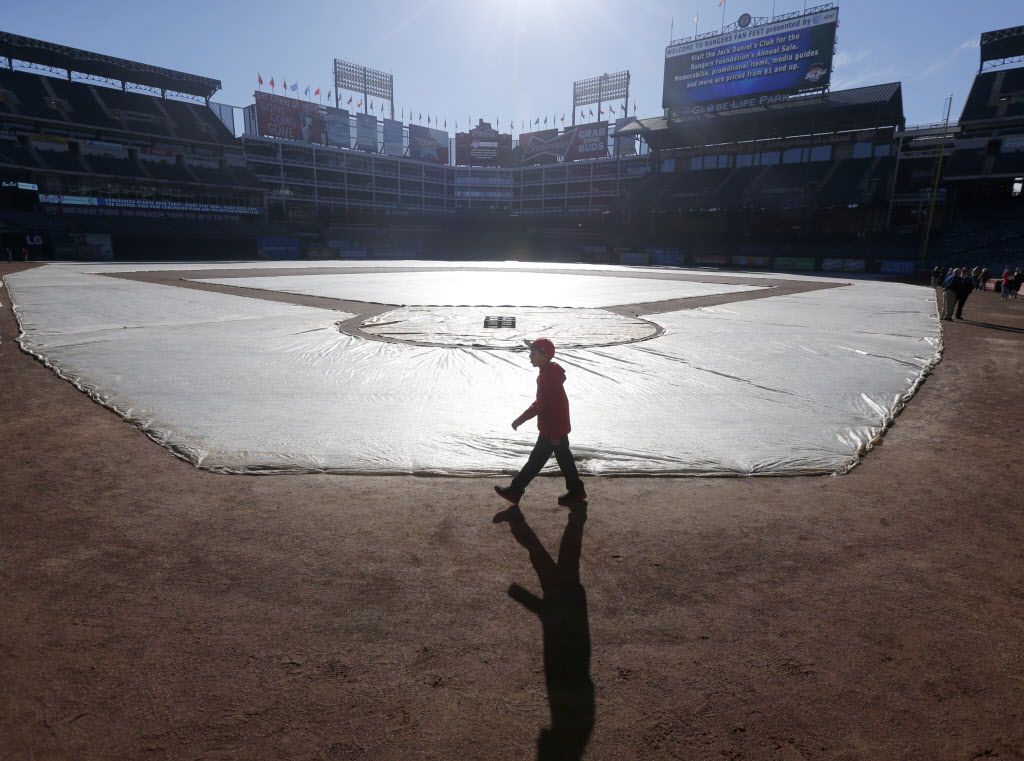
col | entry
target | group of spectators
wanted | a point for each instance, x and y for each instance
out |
(958, 283)
(8, 254)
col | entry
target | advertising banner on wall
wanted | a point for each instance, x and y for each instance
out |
(159, 153)
(394, 143)
(428, 144)
(794, 262)
(898, 266)
(288, 118)
(542, 147)
(582, 141)
(746, 67)
(366, 133)
(101, 148)
(589, 141)
(50, 143)
(339, 131)
(278, 248)
(483, 146)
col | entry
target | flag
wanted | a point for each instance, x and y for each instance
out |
(420, 117)
(259, 78)
(295, 87)
(611, 108)
(428, 118)
(634, 106)
(349, 102)
(600, 112)
(536, 121)
(591, 112)
(562, 119)
(545, 121)
(271, 83)
(284, 85)
(359, 104)
(316, 92)
(721, 3)
(446, 124)
(306, 93)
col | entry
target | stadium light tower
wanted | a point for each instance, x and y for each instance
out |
(359, 79)
(597, 90)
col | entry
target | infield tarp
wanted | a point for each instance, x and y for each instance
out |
(475, 288)
(796, 384)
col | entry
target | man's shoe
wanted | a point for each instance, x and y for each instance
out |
(570, 499)
(508, 493)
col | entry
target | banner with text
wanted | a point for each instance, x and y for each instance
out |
(288, 118)
(483, 146)
(747, 67)
(582, 141)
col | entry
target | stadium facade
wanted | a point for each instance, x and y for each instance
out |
(755, 159)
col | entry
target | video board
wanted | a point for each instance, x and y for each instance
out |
(752, 66)
(483, 146)
(427, 144)
(288, 118)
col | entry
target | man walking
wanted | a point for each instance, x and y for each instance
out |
(950, 288)
(962, 289)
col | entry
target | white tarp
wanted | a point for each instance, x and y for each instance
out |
(794, 384)
(474, 288)
(464, 326)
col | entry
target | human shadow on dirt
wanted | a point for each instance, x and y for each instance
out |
(992, 326)
(562, 611)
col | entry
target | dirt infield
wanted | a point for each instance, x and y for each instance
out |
(149, 610)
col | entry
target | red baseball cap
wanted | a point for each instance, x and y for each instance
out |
(544, 344)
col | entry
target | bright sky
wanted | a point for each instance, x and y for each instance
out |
(507, 59)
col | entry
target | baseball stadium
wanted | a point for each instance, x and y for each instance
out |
(263, 367)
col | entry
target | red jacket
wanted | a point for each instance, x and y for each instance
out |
(552, 405)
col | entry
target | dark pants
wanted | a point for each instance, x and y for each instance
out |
(538, 458)
(961, 299)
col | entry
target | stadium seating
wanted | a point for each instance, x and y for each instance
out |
(213, 176)
(788, 177)
(977, 106)
(13, 154)
(845, 184)
(108, 165)
(85, 107)
(62, 161)
(30, 97)
(43, 97)
(965, 163)
(1009, 163)
(170, 172)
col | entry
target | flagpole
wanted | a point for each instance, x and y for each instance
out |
(723, 13)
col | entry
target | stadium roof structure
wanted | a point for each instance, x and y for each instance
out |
(858, 108)
(1002, 46)
(15, 46)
